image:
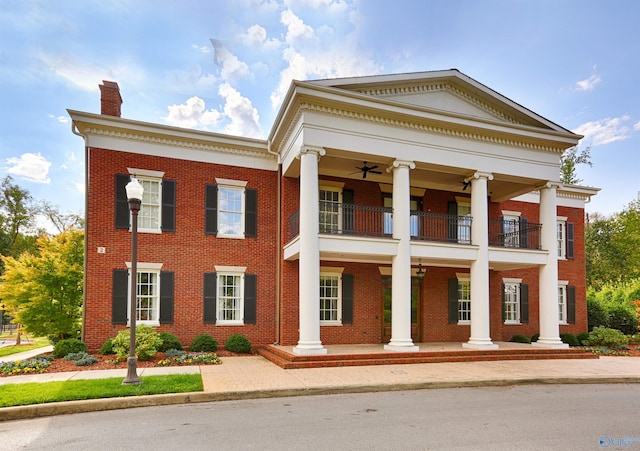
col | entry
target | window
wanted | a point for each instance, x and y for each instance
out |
(464, 301)
(562, 245)
(330, 301)
(562, 304)
(158, 210)
(464, 223)
(329, 210)
(512, 303)
(230, 214)
(229, 302)
(231, 209)
(149, 217)
(414, 219)
(510, 230)
(148, 297)
(154, 295)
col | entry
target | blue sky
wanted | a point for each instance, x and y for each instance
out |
(224, 66)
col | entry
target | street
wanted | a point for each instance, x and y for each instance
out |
(564, 417)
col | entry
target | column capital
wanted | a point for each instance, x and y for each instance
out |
(401, 163)
(550, 184)
(478, 175)
(304, 150)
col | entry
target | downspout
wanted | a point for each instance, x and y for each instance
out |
(75, 131)
(278, 241)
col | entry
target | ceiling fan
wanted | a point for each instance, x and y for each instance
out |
(367, 169)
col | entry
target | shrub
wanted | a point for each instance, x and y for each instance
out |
(86, 361)
(569, 339)
(534, 338)
(68, 346)
(35, 365)
(147, 343)
(174, 353)
(169, 341)
(604, 336)
(238, 343)
(583, 338)
(75, 356)
(107, 347)
(203, 343)
(519, 338)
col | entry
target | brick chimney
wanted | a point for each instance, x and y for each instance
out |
(110, 100)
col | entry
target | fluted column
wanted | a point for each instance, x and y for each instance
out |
(309, 264)
(401, 262)
(480, 318)
(548, 273)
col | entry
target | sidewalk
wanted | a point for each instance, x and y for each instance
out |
(255, 377)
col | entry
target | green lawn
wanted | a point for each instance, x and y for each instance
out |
(39, 393)
(27, 345)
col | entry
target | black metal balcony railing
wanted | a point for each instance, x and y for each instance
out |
(362, 220)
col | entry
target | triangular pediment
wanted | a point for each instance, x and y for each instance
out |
(449, 91)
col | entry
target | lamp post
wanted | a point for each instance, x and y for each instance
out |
(134, 195)
(2, 318)
(420, 272)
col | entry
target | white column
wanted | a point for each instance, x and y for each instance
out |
(480, 319)
(401, 262)
(309, 264)
(548, 298)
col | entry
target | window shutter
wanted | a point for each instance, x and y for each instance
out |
(524, 233)
(250, 298)
(168, 205)
(570, 240)
(347, 299)
(453, 301)
(502, 243)
(122, 205)
(504, 304)
(250, 212)
(210, 296)
(347, 211)
(211, 210)
(119, 296)
(166, 297)
(524, 303)
(571, 304)
(452, 208)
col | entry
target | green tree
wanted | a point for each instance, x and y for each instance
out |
(569, 161)
(43, 292)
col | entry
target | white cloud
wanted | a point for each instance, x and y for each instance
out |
(232, 68)
(192, 114)
(32, 167)
(202, 49)
(256, 36)
(61, 119)
(606, 130)
(244, 118)
(588, 84)
(296, 28)
(636, 126)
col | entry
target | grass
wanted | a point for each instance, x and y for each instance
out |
(39, 393)
(32, 343)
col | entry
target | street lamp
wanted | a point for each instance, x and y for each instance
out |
(134, 195)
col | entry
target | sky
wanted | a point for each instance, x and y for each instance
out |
(225, 66)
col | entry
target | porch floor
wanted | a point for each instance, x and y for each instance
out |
(375, 354)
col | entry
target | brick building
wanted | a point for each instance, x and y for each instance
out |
(394, 209)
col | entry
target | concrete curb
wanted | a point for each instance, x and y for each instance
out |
(95, 405)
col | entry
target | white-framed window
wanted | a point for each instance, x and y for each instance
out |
(149, 217)
(147, 293)
(511, 303)
(562, 302)
(511, 229)
(414, 219)
(464, 301)
(330, 298)
(562, 237)
(231, 211)
(229, 299)
(464, 222)
(330, 214)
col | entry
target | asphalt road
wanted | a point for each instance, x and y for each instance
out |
(567, 417)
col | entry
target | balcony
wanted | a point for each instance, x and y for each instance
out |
(371, 221)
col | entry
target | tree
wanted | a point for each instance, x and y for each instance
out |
(17, 219)
(570, 159)
(44, 292)
(59, 220)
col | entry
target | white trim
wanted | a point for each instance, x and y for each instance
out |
(337, 273)
(219, 274)
(562, 218)
(236, 269)
(145, 173)
(563, 282)
(463, 276)
(330, 184)
(331, 269)
(463, 200)
(229, 182)
(146, 265)
(511, 280)
(511, 213)
(385, 270)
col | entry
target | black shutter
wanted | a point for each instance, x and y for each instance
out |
(452, 208)
(502, 243)
(250, 298)
(122, 205)
(211, 210)
(168, 205)
(524, 233)
(524, 303)
(571, 304)
(347, 299)
(504, 304)
(210, 295)
(250, 212)
(453, 301)
(166, 297)
(347, 211)
(570, 240)
(119, 289)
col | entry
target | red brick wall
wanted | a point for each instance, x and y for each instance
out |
(188, 252)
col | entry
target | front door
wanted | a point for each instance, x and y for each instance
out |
(386, 309)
